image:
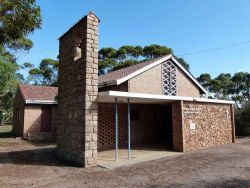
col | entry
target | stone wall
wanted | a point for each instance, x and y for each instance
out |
(206, 125)
(78, 90)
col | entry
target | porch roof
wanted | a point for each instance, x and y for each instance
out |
(109, 97)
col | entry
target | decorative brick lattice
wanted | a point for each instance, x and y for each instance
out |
(169, 82)
(106, 125)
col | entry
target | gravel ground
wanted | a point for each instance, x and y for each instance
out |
(28, 165)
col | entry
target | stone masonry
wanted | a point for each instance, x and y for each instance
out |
(77, 93)
(212, 125)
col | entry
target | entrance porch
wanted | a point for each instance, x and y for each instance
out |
(135, 129)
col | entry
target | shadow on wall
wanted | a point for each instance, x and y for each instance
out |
(42, 156)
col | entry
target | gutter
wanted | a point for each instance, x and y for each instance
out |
(41, 102)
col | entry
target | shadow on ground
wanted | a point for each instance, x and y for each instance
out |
(41, 156)
(6, 135)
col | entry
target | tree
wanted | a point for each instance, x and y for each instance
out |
(18, 18)
(129, 53)
(8, 82)
(205, 80)
(107, 59)
(111, 59)
(222, 85)
(155, 51)
(242, 120)
(46, 73)
(241, 84)
(183, 62)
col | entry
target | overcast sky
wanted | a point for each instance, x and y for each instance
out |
(186, 26)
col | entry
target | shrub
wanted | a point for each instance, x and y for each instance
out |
(242, 120)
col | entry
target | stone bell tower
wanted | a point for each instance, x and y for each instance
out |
(77, 93)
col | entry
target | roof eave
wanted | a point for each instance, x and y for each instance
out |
(109, 83)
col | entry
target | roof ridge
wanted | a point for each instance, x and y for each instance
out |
(30, 85)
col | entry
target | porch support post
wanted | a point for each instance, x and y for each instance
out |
(129, 153)
(116, 130)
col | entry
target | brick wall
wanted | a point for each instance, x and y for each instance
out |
(151, 82)
(177, 121)
(77, 93)
(144, 130)
(32, 119)
(17, 128)
(186, 87)
(106, 125)
(213, 125)
(147, 82)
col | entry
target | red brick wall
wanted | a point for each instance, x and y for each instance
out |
(106, 125)
(32, 119)
(177, 126)
(143, 130)
(17, 128)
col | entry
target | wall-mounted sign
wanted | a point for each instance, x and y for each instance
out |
(192, 110)
(192, 126)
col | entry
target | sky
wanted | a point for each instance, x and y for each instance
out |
(186, 26)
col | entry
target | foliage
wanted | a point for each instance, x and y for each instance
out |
(8, 81)
(155, 51)
(183, 62)
(45, 74)
(225, 86)
(18, 18)
(242, 120)
(111, 59)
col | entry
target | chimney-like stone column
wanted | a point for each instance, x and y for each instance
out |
(77, 93)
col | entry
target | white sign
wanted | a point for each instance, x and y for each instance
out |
(192, 126)
(192, 110)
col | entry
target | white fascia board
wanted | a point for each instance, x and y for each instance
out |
(189, 75)
(214, 101)
(147, 96)
(41, 102)
(159, 97)
(120, 81)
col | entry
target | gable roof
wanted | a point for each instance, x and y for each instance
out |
(110, 78)
(38, 94)
(122, 75)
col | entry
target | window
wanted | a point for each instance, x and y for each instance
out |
(169, 86)
(78, 50)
